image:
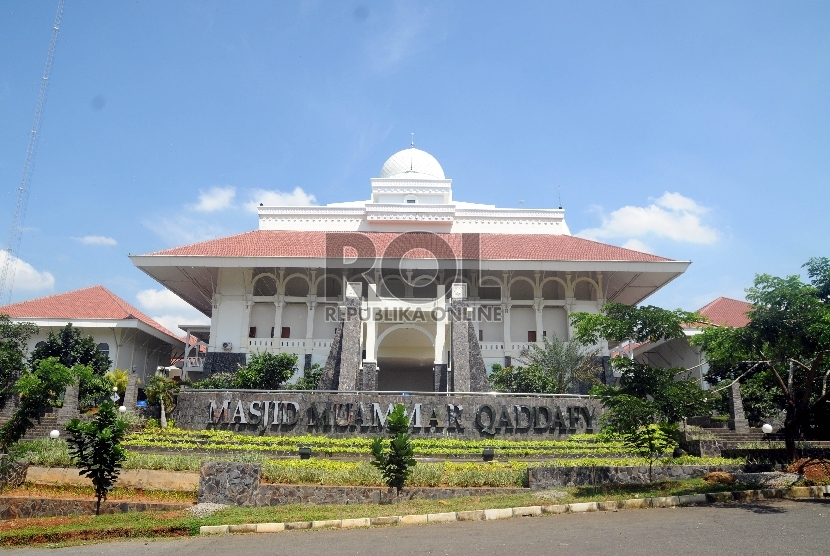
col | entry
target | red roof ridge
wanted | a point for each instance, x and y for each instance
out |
(726, 311)
(45, 307)
(492, 246)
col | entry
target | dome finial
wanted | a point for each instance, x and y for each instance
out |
(413, 141)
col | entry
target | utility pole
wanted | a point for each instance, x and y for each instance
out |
(7, 275)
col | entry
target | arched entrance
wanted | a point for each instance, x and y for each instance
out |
(405, 357)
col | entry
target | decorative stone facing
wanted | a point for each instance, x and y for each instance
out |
(12, 507)
(221, 362)
(239, 484)
(541, 478)
(228, 482)
(345, 414)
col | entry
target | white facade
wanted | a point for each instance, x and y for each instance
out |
(275, 289)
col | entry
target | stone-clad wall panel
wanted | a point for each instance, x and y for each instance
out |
(540, 478)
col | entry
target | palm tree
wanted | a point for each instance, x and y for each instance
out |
(561, 365)
(160, 390)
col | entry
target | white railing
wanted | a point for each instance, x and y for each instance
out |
(491, 346)
(194, 362)
(519, 346)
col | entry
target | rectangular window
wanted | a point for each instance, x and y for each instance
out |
(480, 335)
(272, 331)
(252, 332)
(531, 335)
(544, 333)
(410, 201)
(286, 332)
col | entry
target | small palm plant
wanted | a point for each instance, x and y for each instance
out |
(119, 379)
(160, 390)
(396, 462)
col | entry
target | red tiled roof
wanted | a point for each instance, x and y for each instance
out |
(727, 312)
(531, 247)
(95, 302)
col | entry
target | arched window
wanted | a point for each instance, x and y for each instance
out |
(104, 348)
(39, 344)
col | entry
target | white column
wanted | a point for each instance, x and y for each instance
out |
(278, 307)
(246, 324)
(505, 304)
(538, 304)
(309, 323)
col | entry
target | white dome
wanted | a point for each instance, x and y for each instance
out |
(408, 162)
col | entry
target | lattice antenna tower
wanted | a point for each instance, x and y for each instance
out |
(7, 275)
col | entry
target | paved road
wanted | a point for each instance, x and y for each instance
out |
(774, 528)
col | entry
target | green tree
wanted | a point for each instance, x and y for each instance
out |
(644, 395)
(788, 335)
(13, 345)
(95, 447)
(650, 442)
(266, 371)
(72, 348)
(395, 463)
(160, 390)
(39, 389)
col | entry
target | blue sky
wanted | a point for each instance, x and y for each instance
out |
(695, 130)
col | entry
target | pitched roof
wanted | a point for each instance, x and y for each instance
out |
(93, 303)
(528, 247)
(727, 312)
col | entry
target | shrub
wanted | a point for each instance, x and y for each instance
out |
(397, 462)
(266, 371)
(309, 380)
(95, 447)
(217, 381)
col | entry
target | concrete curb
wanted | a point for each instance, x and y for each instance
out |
(526, 511)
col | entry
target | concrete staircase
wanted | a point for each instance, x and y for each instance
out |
(48, 422)
(731, 438)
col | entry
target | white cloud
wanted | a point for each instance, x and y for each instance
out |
(671, 216)
(273, 198)
(26, 277)
(168, 309)
(96, 240)
(407, 30)
(215, 198)
(637, 245)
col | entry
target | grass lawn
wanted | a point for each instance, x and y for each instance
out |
(74, 529)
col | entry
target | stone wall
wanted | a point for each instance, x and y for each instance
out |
(12, 472)
(14, 507)
(344, 414)
(543, 477)
(239, 484)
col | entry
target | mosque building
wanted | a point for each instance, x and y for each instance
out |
(372, 290)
